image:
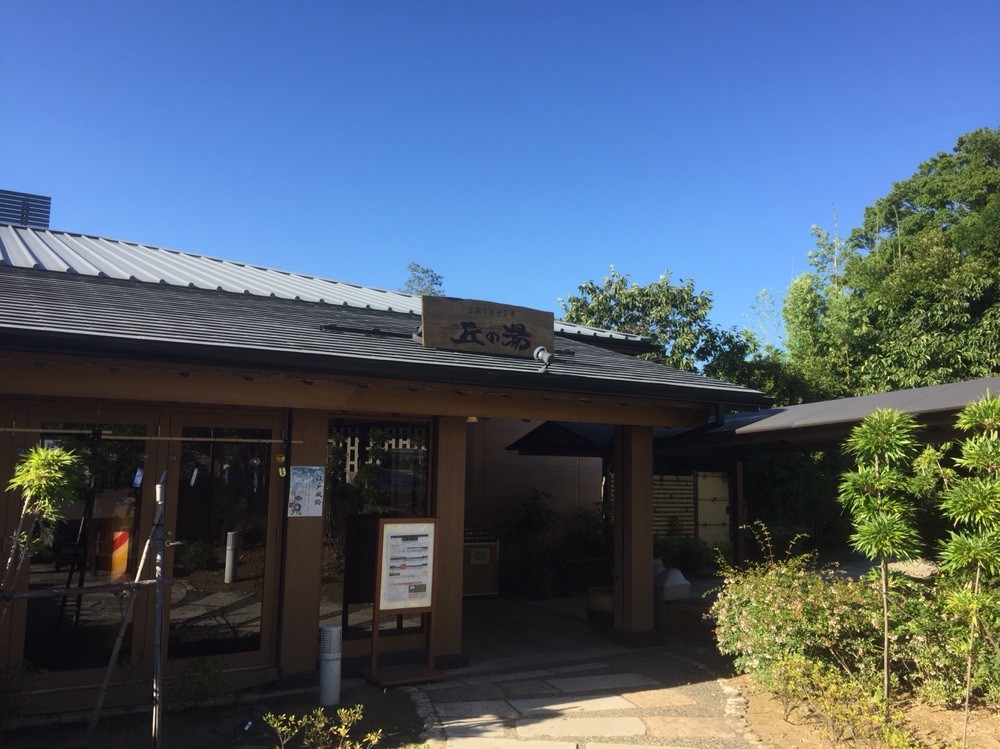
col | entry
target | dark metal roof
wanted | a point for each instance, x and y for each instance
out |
(63, 312)
(99, 257)
(24, 208)
(825, 424)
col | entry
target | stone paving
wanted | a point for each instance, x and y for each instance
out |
(529, 696)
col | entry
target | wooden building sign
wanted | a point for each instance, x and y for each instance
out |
(486, 327)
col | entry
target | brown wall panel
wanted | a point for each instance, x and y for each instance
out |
(500, 479)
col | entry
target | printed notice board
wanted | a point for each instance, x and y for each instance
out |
(407, 565)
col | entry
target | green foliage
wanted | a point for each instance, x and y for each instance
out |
(423, 281)
(196, 555)
(48, 480)
(690, 555)
(779, 609)
(795, 494)
(320, 731)
(933, 643)
(912, 298)
(819, 329)
(530, 565)
(971, 501)
(878, 496)
(675, 316)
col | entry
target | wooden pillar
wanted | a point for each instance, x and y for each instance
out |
(449, 508)
(298, 624)
(633, 528)
(737, 511)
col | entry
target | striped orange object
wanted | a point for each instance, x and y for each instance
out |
(119, 555)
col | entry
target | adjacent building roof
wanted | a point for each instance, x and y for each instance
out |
(85, 295)
(814, 426)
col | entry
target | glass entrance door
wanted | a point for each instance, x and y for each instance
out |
(222, 541)
(95, 544)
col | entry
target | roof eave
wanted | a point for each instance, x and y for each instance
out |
(232, 356)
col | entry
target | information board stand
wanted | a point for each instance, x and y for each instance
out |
(404, 584)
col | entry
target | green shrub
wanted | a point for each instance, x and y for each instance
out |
(691, 556)
(778, 609)
(196, 555)
(936, 641)
(320, 731)
(845, 712)
(530, 566)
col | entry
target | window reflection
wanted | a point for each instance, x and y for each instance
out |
(374, 469)
(95, 543)
(222, 500)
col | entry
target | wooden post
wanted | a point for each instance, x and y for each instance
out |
(449, 507)
(158, 621)
(738, 512)
(298, 616)
(633, 528)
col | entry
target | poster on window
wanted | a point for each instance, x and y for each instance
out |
(305, 491)
(407, 573)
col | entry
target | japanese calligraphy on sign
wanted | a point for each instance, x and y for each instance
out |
(305, 491)
(485, 327)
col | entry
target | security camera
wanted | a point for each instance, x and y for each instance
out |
(543, 355)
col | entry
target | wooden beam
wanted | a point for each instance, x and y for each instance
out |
(53, 376)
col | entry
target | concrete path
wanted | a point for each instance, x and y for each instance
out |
(530, 694)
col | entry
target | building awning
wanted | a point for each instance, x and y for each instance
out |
(825, 424)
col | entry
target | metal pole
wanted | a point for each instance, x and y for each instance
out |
(232, 552)
(158, 620)
(126, 618)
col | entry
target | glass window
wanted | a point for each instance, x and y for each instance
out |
(93, 545)
(222, 502)
(375, 469)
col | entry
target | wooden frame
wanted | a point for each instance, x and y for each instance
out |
(407, 551)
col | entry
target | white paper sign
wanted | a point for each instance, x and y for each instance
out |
(407, 566)
(305, 491)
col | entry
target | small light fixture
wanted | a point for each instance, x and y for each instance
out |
(543, 356)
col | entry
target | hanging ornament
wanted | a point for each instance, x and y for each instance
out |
(255, 462)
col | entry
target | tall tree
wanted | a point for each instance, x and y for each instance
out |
(879, 497)
(971, 500)
(913, 298)
(675, 316)
(423, 281)
(818, 326)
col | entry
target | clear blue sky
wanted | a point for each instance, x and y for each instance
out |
(517, 148)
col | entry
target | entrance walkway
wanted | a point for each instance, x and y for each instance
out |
(541, 679)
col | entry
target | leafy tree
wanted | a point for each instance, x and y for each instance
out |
(675, 316)
(877, 494)
(48, 479)
(912, 297)
(818, 326)
(972, 502)
(423, 281)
